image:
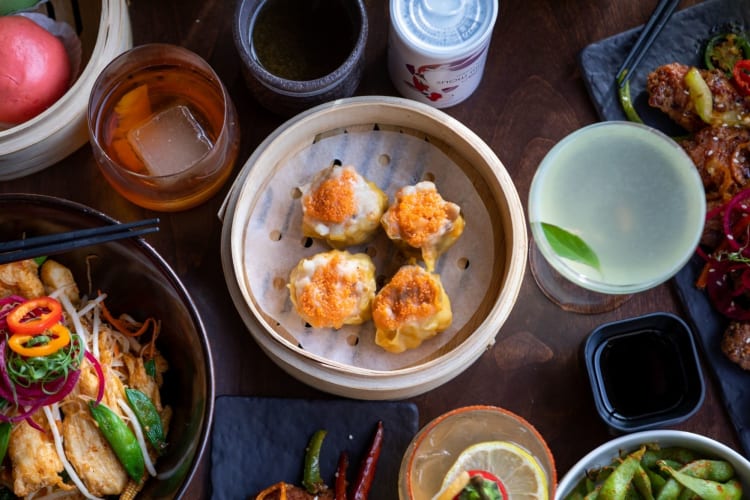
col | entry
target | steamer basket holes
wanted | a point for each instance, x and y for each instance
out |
(296, 193)
(307, 242)
(352, 340)
(463, 263)
(275, 235)
(279, 284)
(384, 160)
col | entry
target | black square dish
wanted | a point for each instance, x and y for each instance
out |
(644, 372)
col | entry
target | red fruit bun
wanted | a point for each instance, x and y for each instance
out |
(34, 69)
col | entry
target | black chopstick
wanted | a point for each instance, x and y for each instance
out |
(54, 244)
(662, 13)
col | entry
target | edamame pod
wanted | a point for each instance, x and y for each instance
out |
(615, 487)
(121, 439)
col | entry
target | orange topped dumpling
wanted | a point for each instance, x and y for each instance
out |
(332, 289)
(420, 219)
(341, 207)
(411, 308)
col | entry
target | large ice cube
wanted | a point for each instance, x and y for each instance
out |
(170, 142)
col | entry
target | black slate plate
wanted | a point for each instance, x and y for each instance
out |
(681, 40)
(257, 442)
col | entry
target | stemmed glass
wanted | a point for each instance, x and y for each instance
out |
(615, 208)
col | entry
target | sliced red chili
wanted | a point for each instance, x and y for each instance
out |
(741, 74)
(34, 316)
(490, 477)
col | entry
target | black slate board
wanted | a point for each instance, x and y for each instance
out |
(257, 442)
(681, 41)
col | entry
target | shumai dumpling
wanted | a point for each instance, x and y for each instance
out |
(342, 207)
(411, 308)
(332, 289)
(421, 220)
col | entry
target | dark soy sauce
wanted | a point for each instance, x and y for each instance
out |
(642, 374)
(303, 39)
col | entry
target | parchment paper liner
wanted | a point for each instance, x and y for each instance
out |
(273, 243)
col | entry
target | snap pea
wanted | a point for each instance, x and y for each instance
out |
(5, 428)
(148, 417)
(615, 487)
(705, 488)
(121, 439)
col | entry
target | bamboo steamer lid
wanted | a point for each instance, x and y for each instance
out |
(61, 129)
(257, 250)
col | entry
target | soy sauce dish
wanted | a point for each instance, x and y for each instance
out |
(644, 372)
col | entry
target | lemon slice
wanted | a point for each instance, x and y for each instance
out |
(519, 471)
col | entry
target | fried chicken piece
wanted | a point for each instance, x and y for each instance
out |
(21, 278)
(735, 343)
(722, 157)
(34, 458)
(668, 92)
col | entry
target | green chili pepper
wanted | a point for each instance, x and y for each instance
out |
(148, 417)
(121, 439)
(5, 428)
(615, 487)
(627, 103)
(705, 488)
(724, 50)
(311, 479)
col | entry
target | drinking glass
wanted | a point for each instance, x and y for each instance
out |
(162, 127)
(615, 208)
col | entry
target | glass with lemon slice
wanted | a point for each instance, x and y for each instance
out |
(486, 441)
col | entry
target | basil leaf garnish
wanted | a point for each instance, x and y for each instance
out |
(570, 246)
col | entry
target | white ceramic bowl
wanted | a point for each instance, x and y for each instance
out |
(61, 129)
(604, 454)
(393, 141)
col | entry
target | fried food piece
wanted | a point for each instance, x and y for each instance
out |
(411, 308)
(735, 344)
(332, 289)
(342, 207)
(722, 157)
(56, 276)
(668, 92)
(21, 278)
(35, 461)
(420, 219)
(288, 491)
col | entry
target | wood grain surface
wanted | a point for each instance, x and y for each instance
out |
(531, 96)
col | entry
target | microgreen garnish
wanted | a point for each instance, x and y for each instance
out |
(570, 246)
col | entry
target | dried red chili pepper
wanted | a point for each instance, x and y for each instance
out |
(367, 468)
(339, 488)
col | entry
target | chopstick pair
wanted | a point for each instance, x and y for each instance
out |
(662, 13)
(52, 244)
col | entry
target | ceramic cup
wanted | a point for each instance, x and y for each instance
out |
(296, 55)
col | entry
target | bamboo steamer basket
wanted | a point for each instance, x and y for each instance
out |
(495, 221)
(60, 130)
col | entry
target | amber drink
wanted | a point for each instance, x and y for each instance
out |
(163, 129)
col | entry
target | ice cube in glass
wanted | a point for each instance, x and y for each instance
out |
(170, 142)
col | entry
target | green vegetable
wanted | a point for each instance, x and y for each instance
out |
(615, 487)
(121, 439)
(480, 489)
(5, 428)
(311, 479)
(626, 102)
(705, 488)
(148, 417)
(150, 366)
(724, 50)
(700, 94)
(569, 245)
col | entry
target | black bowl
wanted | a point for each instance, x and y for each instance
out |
(137, 280)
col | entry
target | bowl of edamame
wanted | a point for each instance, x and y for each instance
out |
(658, 464)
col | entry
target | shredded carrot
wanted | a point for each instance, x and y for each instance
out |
(121, 325)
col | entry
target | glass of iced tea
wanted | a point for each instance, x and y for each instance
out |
(482, 440)
(162, 127)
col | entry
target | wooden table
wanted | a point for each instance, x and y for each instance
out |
(531, 96)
